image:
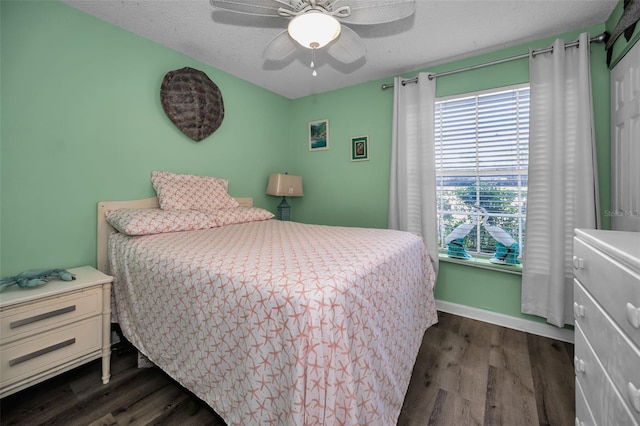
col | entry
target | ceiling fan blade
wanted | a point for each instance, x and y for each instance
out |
(253, 7)
(629, 17)
(370, 12)
(280, 47)
(348, 47)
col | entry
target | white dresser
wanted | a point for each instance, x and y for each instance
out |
(607, 329)
(52, 328)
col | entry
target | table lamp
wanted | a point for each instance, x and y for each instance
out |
(284, 185)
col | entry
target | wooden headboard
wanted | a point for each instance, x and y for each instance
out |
(104, 228)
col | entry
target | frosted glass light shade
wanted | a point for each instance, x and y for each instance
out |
(314, 30)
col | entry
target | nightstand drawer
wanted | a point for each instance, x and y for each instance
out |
(29, 357)
(21, 321)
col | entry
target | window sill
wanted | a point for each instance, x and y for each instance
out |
(482, 262)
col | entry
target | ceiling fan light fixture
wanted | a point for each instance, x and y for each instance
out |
(314, 29)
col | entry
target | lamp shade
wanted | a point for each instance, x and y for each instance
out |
(314, 30)
(285, 185)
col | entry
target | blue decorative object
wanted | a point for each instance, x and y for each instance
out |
(284, 210)
(455, 240)
(507, 249)
(456, 249)
(506, 255)
(35, 278)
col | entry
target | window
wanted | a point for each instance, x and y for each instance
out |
(482, 151)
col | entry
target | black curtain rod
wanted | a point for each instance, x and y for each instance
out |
(597, 39)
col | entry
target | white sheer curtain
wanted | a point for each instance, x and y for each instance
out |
(562, 193)
(412, 192)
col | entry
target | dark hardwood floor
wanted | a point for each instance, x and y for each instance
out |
(467, 373)
(473, 373)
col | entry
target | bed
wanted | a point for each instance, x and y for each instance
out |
(272, 322)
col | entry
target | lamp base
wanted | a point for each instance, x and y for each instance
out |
(284, 210)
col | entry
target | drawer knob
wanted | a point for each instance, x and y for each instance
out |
(579, 365)
(634, 396)
(633, 315)
(579, 423)
(578, 310)
(578, 262)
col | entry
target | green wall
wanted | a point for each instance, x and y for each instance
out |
(339, 192)
(81, 122)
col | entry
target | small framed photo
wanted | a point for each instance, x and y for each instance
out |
(360, 148)
(319, 135)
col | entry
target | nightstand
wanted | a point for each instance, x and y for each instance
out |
(47, 330)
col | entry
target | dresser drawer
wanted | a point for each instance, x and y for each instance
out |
(29, 357)
(615, 287)
(606, 403)
(21, 321)
(583, 413)
(622, 364)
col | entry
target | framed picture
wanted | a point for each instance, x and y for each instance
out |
(319, 135)
(360, 148)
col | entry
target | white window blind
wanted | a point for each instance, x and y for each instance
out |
(482, 151)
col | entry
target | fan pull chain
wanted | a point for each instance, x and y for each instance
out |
(313, 59)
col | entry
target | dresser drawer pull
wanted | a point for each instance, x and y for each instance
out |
(578, 365)
(40, 352)
(578, 262)
(634, 396)
(578, 310)
(36, 318)
(633, 315)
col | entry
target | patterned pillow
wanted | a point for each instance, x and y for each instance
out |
(157, 221)
(242, 215)
(191, 192)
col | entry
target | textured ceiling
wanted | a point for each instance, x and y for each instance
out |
(439, 31)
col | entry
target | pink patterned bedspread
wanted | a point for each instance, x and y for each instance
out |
(280, 323)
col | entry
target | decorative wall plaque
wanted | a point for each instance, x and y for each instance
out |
(192, 102)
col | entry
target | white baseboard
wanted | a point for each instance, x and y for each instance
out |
(520, 324)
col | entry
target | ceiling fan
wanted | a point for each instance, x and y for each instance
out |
(318, 23)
